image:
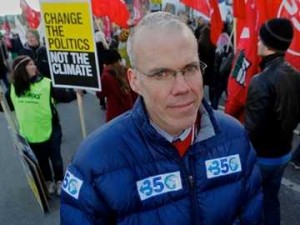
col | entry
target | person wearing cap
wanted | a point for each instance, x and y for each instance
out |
(171, 160)
(38, 52)
(115, 86)
(31, 96)
(273, 110)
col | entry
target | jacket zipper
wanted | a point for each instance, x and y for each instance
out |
(191, 183)
(193, 195)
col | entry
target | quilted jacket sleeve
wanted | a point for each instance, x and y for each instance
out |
(80, 203)
(252, 210)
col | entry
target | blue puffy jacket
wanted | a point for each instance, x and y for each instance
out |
(126, 173)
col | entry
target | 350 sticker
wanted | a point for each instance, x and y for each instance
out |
(223, 166)
(160, 184)
(72, 184)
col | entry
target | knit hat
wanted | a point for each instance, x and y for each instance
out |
(111, 56)
(277, 34)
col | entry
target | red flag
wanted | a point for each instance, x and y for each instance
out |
(116, 10)
(290, 9)
(216, 21)
(32, 16)
(239, 8)
(199, 5)
(245, 64)
(269, 9)
(6, 28)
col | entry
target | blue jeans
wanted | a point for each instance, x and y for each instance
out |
(272, 176)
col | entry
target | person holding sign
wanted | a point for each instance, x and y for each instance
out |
(171, 159)
(32, 97)
(36, 51)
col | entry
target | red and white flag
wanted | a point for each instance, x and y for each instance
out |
(216, 22)
(239, 8)
(32, 16)
(202, 6)
(290, 9)
(116, 10)
(246, 63)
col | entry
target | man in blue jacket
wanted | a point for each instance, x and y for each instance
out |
(171, 159)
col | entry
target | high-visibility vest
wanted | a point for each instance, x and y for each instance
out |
(33, 111)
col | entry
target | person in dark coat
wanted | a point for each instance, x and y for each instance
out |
(222, 66)
(207, 49)
(101, 47)
(115, 86)
(3, 63)
(273, 111)
(37, 52)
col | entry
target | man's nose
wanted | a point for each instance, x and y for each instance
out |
(180, 84)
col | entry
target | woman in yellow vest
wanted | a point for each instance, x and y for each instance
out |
(31, 96)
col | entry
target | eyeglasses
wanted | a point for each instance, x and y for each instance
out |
(188, 72)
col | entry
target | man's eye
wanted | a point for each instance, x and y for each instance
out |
(159, 74)
(191, 68)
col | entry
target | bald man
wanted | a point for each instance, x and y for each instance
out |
(171, 159)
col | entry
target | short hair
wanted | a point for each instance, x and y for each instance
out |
(153, 21)
(35, 33)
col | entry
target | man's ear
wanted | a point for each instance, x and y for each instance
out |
(134, 82)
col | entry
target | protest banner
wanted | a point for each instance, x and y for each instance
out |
(32, 170)
(27, 158)
(69, 37)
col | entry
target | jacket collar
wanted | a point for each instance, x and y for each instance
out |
(270, 59)
(207, 128)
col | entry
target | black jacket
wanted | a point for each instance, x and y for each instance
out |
(39, 56)
(273, 107)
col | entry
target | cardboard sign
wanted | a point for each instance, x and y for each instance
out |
(27, 158)
(69, 36)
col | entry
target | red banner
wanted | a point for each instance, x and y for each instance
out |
(199, 5)
(290, 9)
(239, 8)
(245, 63)
(32, 16)
(116, 10)
(215, 21)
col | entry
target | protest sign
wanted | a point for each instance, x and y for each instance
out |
(69, 37)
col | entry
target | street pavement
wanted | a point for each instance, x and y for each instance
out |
(18, 205)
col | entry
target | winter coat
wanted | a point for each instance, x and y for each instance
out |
(127, 173)
(39, 56)
(117, 102)
(273, 107)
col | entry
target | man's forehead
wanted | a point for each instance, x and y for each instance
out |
(151, 45)
(150, 34)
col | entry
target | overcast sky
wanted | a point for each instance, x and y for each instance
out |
(9, 7)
